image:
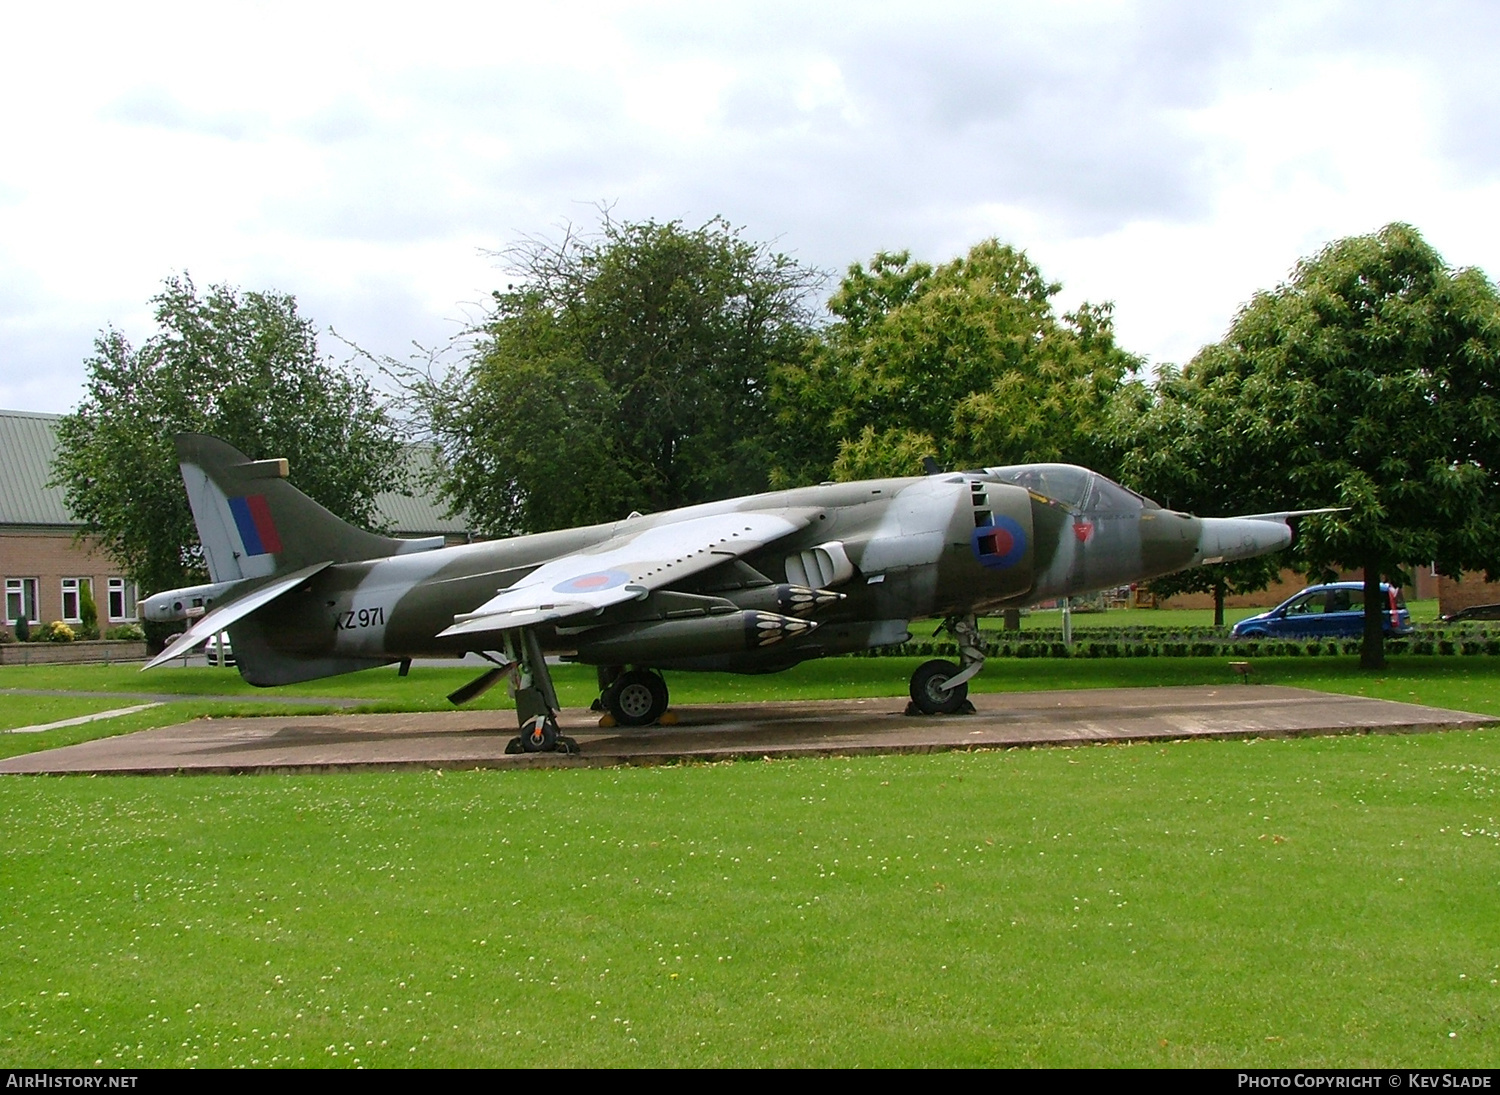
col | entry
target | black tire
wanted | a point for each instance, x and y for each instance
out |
(928, 693)
(637, 698)
(607, 674)
(539, 735)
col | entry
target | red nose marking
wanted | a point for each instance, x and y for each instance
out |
(1083, 530)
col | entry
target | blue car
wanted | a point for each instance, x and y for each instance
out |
(1334, 611)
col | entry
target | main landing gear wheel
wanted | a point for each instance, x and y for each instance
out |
(637, 698)
(930, 692)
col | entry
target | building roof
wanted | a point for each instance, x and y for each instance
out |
(28, 441)
(418, 512)
(27, 444)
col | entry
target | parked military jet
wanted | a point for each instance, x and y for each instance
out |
(749, 585)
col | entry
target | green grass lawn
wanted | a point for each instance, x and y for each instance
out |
(1331, 901)
(38, 710)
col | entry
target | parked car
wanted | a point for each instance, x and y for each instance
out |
(1334, 611)
(211, 649)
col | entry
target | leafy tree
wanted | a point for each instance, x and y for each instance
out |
(242, 366)
(966, 362)
(627, 370)
(1171, 451)
(1369, 380)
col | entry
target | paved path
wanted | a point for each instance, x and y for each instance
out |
(79, 720)
(477, 739)
(188, 697)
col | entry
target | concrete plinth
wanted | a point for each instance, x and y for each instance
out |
(477, 739)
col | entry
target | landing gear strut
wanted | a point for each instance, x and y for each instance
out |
(536, 699)
(607, 675)
(942, 688)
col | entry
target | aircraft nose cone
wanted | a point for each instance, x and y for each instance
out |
(1226, 538)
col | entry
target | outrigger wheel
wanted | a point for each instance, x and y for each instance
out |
(540, 734)
(536, 699)
(636, 698)
(930, 692)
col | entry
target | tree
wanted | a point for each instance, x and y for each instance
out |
(1222, 580)
(1371, 380)
(627, 370)
(88, 611)
(1171, 451)
(966, 362)
(242, 366)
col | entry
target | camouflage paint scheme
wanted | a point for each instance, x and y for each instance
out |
(749, 585)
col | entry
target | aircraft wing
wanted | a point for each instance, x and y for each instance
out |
(220, 618)
(626, 567)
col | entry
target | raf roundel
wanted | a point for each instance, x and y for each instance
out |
(592, 583)
(1001, 544)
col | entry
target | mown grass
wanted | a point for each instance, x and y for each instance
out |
(1307, 902)
(38, 710)
(1300, 902)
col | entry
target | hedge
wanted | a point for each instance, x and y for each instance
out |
(1154, 642)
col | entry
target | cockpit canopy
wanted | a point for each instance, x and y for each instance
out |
(1076, 488)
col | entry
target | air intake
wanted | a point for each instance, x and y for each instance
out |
(820, 567)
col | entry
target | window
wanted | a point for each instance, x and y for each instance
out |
(71, 612)
(20, 600)
(1345, 600)
(121, 599)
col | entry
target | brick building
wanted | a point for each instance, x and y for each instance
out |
(1469, 590)
(45, 563)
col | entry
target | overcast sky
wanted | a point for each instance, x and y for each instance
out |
(1170, 157)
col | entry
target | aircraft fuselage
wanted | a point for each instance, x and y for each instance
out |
(897, 549)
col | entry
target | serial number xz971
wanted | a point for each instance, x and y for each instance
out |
(364, 617)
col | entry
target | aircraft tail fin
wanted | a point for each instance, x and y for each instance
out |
(253, 523)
